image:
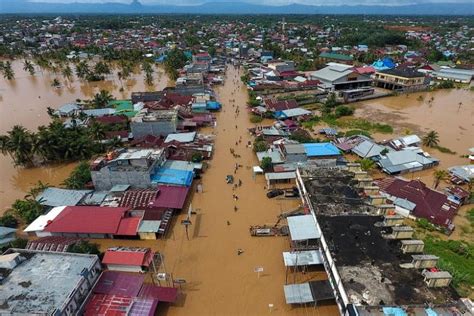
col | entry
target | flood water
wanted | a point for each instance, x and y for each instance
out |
(448, 112)
(220, 282)
(24, 101)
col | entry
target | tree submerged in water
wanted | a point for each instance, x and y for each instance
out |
(431, 139)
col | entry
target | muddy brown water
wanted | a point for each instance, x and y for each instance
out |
(220, 282)
(24, 101)
(449, 112)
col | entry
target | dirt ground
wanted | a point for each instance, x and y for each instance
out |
(220, 282)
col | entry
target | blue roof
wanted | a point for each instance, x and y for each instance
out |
(161, 59)
(173, 176)
(321, 149)
(384, 64)
(394, 311)
(59, 197)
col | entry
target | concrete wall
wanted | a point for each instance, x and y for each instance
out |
(105, 178)
(296, 158)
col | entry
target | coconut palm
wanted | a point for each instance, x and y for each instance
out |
(19, 144)
(102, 99)
(28, 66)
(67, 73)
(431, 139)
(97, 131)
(82, 70)
(8, 72)
(439, 175)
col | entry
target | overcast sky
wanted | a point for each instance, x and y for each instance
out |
(267, 2)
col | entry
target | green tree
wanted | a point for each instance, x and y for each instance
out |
(431, 139)
(367, 164)
(438, 176)
(67, 73)
(86, 247)
(28, 210)
(97, 131)
(7, 70)
(102, 99)
(79, 177)
(266, 163)
(28, 66)
(102, 68)
(8, 220)
(19, 144)
(82, 70)
(259, 146)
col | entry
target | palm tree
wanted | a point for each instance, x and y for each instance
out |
(97, 131)
(431, 139)
(8, 72)
(37, 189)
(82, 70)
(67, 73)
(102, 99)
(19, 144)
(55, 83)
(438, 176)
(367, 164)
(28, 66)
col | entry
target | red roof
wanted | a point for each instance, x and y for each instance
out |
(365, 70)
(119, 283)
(128, 226)
(111, 119)
(162, 294)
(139, 198)
(431, 205)
(87, 220)
(116, 305)
(276, 105)
(141, 257)
(170, 196)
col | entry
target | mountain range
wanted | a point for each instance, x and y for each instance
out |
(24, 6)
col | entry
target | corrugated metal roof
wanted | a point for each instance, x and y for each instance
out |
(149, 226)
(181, 137)
(280, 175)
(303, 227)
(59, 197)
(302, 258)
(298, 293)
(124, 256)
(321, 149)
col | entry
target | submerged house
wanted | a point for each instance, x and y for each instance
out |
(133, 167)
(340, 77)
(414, 198)
(399, 79)
(399, 162)
(86, 222)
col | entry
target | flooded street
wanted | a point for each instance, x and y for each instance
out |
(24, 101)
(220, 282)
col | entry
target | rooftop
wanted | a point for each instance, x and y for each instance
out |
(369, 265)
(42, 282)
(333, 191)
(154, 116)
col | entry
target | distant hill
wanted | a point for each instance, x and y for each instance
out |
(23, 6)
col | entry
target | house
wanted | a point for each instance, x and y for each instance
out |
(336, 57)
(292, 114)
(294, 153)
(399, 162)
(53, 197)
(46, 283)
(169, 176)
(414, 198)
(87, 222)
(399, 79)
(405, 141)
(462, 173)
(128, 259)
(273, 153)
(156, 123)
(68, 109)
(383, 64)
(280, 105)
(133, 167)
(367, 148)
(146, 96)
(453, 74)
(7, 235)
(340, 77)
(321, 151)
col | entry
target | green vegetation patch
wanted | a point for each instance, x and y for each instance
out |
(457, 258)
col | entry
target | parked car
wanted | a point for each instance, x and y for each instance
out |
(274, 193)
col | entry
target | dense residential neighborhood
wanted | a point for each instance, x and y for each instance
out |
(307, 139)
